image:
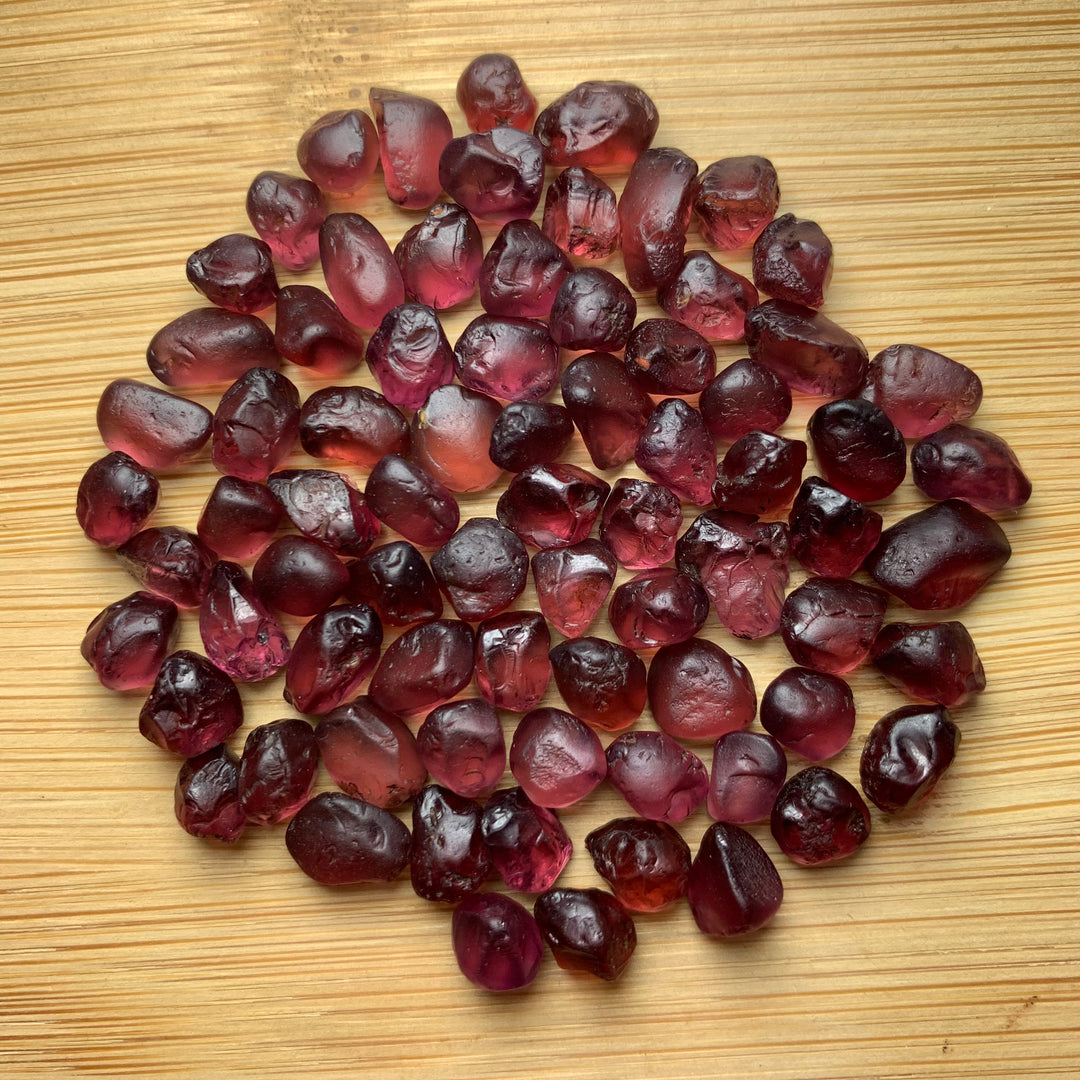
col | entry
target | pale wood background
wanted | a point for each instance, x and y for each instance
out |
(937, 143)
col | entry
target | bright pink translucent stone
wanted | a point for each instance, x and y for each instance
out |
(352, 423)
(744, 397)
(256, 425)
(675, 449)
(512, 665)
(413, 131)
(277, 770)
(759, 473)
(977, 466)
(497, 175)
(580, 214)
(482, 568)
(310, 331)
(734, 199)
(819, 817)
(359, 269)
(809, 712)
(829, 624)
(410, 355)
(646, 863)
(708, 297)
(660, 779)
(440, 257)
(169, 561)
(657, 607)
(340, 150)
(857, 448)
(451, 434)
(326, 506)
(552, 506)
(573, 583)
(793, 260)
(831, 533)
(210, 345)
(235, 272)
(116, 495)
(934, 661)
(448, 858)
(206, 798)
(529, 846)
(239, 518)
(587, 930)
(593, 309)
(127, 642)
(462, 745)
(397, 582)
(287, 211)
(601, 681)
(492, 93)
(522, 272)
(530, 433)
(556, 758)
(496, 942)
(411, 501)
(748, 770)
(509, 358)
(157, 429)
(640, 523)
(664, 357)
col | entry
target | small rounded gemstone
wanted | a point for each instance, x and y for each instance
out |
(482, 568)
(734, 199)
(744, 397)
(158, 430)
(451, 433)
(127, 642)
(410, 355)
(448, 858)
(573, 583)
(277, 770)
(256, 425)
(440, 257)
(793, 261)
(512, 665)
(170, 562)
(496, 942)
(759, 473)
(829, 624)
(522, 272)
(286, 211)
(551, 506)
(299, 576)
(858, 449)
(934, 661)
(340, 150)
(658, 778)
(413, 131)
(239, 518)
(236, 272)
(665, 357)
(325, 506)
(492, 93)
(207, 796)
(116, 495)
(586, 930)
(352, 423)
(658, 607)
(675, 449)
(809, 712)
(530, 433)
(556, 758)
(463, 747)
(497, 175)
(508, 358)
(640, 523)
(593, 309)
(397, 582)
(748, 770)
(359, 268)
(580, 214)
(311, 332)
(977, 466)
(646, 863)
(831, 533)
(708, 298)
(601, 681)
(819, 817)
(411, 501)
(529, 846)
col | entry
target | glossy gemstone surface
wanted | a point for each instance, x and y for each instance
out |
(448, 859)
(580, 214)
(658, 778)
(573, 583)
(354, 424)
(210, 345)
(744, 397)
(497, 175)
(410, 355)
(359, 268)
(734, 199)
(640, 523)
(646, 863)
(601, 681)
(530, 433)
(529, 846)
(675, 449)
(809, 712)
(397, 582)
(934, 661)
(239, 519)
(552, 506)
(157, 429)
(819, 817)
(235, 272)
(169, 561)
(126, 643)
(759, 473)
(326, 506)
(858, 448)
(664, 357)
(508, 358)
(277, 770)
(555, 757)
(299, 576)
(427, 665)
(440, 258)
(586, 930)
(412, 501)
(451, 433)
(977, 466)
(748, 770)
(310, 331)
(462, 745)
(492, 92)
(207, 797)
(482, 568)
(256, 424)
(831, 533)
(708, 298)
(286, 211)
(116, 495)
(522, 272)
(512, 665)
(829, 624)
(593, 309)
(658, 607)
(496, 942)
(340, 150)
(793, 260)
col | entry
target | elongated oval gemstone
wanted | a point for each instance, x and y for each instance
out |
(977, 466)
(286, 211)
(411, 501)
(427, 665)
(359, 269)
(210, 345)
(660, 779)
(354, 424)
(256, 425)
(413, 132)
(207, 796)
(157, 429)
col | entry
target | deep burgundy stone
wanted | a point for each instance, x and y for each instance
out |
(277, 770)
(256, 424)
(858, 449)
(573, 583)
(748, 770)
(451, 434)
(482, 568)
(675, 449)
(448, 859)
(157, 429)
(809, 712)
(299, 576)
(708, 298)
(744, 397)
(831, 533)
(734, 199)
(580, 214)
(977, 466)
(411, 501)
(210, 345)
(507, 358)
(410, 355)
(235, 272)
(819, 817)
(326, 506)
(413, 132)
(286, 211)
(552, 506)
(664, 357)
(497, 175)
(310, 331)
(529, 846)
(646, 863)
(658, 607)
(359, 269)
(601, 681)
(492, 92)
(522, 272)
(397, 582)
(127, 642)
(340, 150)
(593, 309)
(116, 495)
(462, 745)
(934, 661)
(556, 758)
(239, 518)
(793, 261)
(586, 930)
(207, 796)
(660, 779)
(440, 257)
(640, 523)
(352, 423)
(829, 624)
(512, 665)
(759, 473)
(170, 562)
(496, 941)
(530, 433)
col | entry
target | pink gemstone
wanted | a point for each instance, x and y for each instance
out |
(522, 272)
(207, 796)
(411, 501)
(326, 506)
(529, 846)
(748, 770)
(287, 212)
(744, 397)
(397, 582)
(593, 309)
(512, 665)
(573, 583)
(497, 175)
(530, 433)
(831, 533)
(277, 770)
(451, 434)
(155, 428)
(708, 298)
(934, 661)
(359, 269)
(641, 523)
(556, 758)
(977, 466)
(676, 450)
(829, 624)
(127, 642)
(239, 519)
(448, 858)
(170, 562)
(734, 199)
(508, 358)
(660, 779)
(601, 681)
(552, 506)
(482, 568)
(646, 863)
(462, 746)
(352, 423)
(760, 473)
(413, 131)
(811, 713)
(492, 93)
(210, 345)
(340, 150)
(116, 496)
(256, 425)
(664, 357)
(235, 272)
(657, 607)
(793, 261)
(819, 817)
(410, 356)
(310, 331)
(440, 258)
(496, 942)
(580, 214)
(857, 448)
(587, 930)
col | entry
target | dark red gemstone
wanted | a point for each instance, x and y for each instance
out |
(451, 434)
(411, 501)
(256, 425)
(492, 93)
(819, 817)
(340, 150)
(593, 309)
(646, 863)
(708, 298)
(522, 272)
(657, 607)
(239, 519)
(640, 523)
(462, 745)
(660, 779)
(359, 269)
(793, 261)
(286, 212)
(236, 272)
(587, 930)
(552, 506)
(858, 449)
(482, 568)
(496, 941)
(573, 583)
(529, 846)
(127, 642)
(413, 131)
(207, 796)
(601, 681)
(734, 199)
(977, 466)
(831, 533)
(580, 214)
(530, 433)
(664, 357)
(809, 712)
(829, 624)
(311, 332)
(299, 576)
(277, 770)
(512, 665)
(440, 257)
(759, 473)
(410, 355)
(497, 175)
(556, 758)
(448, 859)
(155, 428)
(170, 562)
(397, 582)
(325, 506)
(210, 345)
(116, 495)
(676, 450)
(748, 770)
(354, 424)
(512, 359)
(744, 397)
(934, 661)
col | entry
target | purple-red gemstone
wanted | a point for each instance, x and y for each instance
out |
(352, 423)
(410, 355)
(413, 132)
(829, 624)
(529, 846)
(934, 661)
(496, 942)
(552, 506)
(440, 257)
(482, 568)
(809, 712)
(157, 429)
(556, 758)
(580, 214)
(646, 863)
(708, 297)
(601, 681)
(587, 930)
(512, 665)
(509, 358)
(744, 397)
(397, 582)
(748, 770)
(277, 770)
(325, 506)
(287, 212)
(411, 501)
(819, 817)
(977, 466)
(451, 433)
(127, 642)
(593, 309)
(256, 425)
(734, 199)
(236, 272)
(664, 357)
(530, 433)
(497, 175)
(340, 150)
(170, 562)
(207, 796)
(522, 272)
(448, 858)
(311, 332)
(759, 473)
(793, 261)
(463, 747)
(660, 779)
(858, 448)
(359, 269)
(239, 518)
(116, 495)
(573, 583)
(492, 93)
(299, 575)
(831, 533)
(640, 523)
(675, 449)
(658, 607)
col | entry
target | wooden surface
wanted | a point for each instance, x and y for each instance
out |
(937, 144)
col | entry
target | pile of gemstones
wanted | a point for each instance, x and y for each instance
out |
(558, 355)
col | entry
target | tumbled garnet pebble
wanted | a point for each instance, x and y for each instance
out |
(734, 886)
(207, 795)
(640, 523)
(934, 661)
(597, 123)
(831, 533)
(286, 212)
(660, 779)
(593, 309)
(299, 575)
(939, 557)
(239, 632)
(239, 518)
(522, 272)
(708, 298)
(646, 863)
(809, 712)
(552, 506)
(573, 583)
(906, 754)
(332, 655)
(448, 859)
(665, 357)
(482, 568)
(497, 175)
(819, 817)
(555, 757)
(126, 643)
(748, 770)
(586, 930)
(235, 272)
(744, 397)
(413, 131)
(920, 390)
(410, 356)
(116, 495)
(829, 624)
(529, 846)
(256, 424)
(977, 466)
(793, 261)
(277, 770)
(675, 449)
(607, 406)
(451, 433)
(371, 754)
(340, 150)
(530, 433)
(157, 429)
(496, 941)
(440, 257)
(170, 562)
(311, 332)
(734, 199)
(325, 506)
(427, 665)
(857, 448)
(359, 269)
(808, 351)
(352, 423)
(512, 665)
(411, 501)
(698, 691)
(580, 214)
(657, 607)
(339, 840)
(507, 358)
(192, 706)
(210, 345)
(759, 473)
(397, 582)
(601, 681)
(462, 745)
(492, 93)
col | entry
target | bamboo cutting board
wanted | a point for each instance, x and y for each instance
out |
(938, 144)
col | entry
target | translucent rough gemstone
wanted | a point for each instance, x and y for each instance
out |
(340, 150)
(933, 661)
(858, 449)
(427, 665)
(920, 390)
(744, 397)
(640, 523)
(286, 211)
(708, 297)
(556, 758)
(793, 260)
(352, 423)
(759, 473)
(339, 840)
(665, 357)
(277, 770)
(440, 257)
(170, 562)
(593, 309)
(359, 269)
(451, 434)
(573, 583)
(646, 863)
(552, 506)
(530, 433)
(512, 359)
(601, 681)
(607, 406)
(734, 886)
(256, 425)
(939, 557)
(239, 518)
(370, 754)
(698, 691)
(831, 533)
(210, 345)
(410, 355)
(413, 132)
(512, 665)
(462, 745)
(580, 214)
(207, 796)
(158, 430)
(116, 495)
(311, 332)
(829, 624)
(482, 568)
(675, 449)
(325, 506)
(819, 817)
(597, 123)
(240, 634)
(331, 657)
(657, 607)
(192, 706)
(529, 846)
(496, 942)
(811, 353)
(748, 770)
(127, 642)
(654, 213)
(497, 175)
(236, 272)
(742, 564)
(906, 754)
(411, 501)
(660, 779)
(492, 92)
(977, 466)
(809, 712)
(522, 272)
(587, 930)
(448, 859)
(734, 199)
(397, 582)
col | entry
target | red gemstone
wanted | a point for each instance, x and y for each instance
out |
(819, 817)
(256, 425)
(235, 272)
(451, 434)
(210, 345)
(340, 150)
(497, 175)
(522, 272)
(287, 212)
(492, 93)
(155, 428)
(664, 357)
(170, 562)
(593, 309)
(277, 770)
(239, 519)
(858, 449)
(352, 423)
(734, 199)
(573, 583)
(744, 397)
(829, 624)
(116, 496)
(809, 712)
(359, 269)
(580, 214)
(748, 770)
(299, 575)
(397, 582)
(530, 433)
(127, 642)
(529, 846)
(793, 261)
(448, 858)
(413, 131)
(462, 746)
(676, 450)
(512, 665)
(325, 506)
(587, 930)
(440, 257)
(660, 779)
(207, 796)
(496, 941)
(760, 473)
(410, 355)
(646, 863)
(934, 661)
(977, 466)
(657, 607)
(552, 506)
(601, 681)
(512, 359)
(556, 758)
(831, 533)
(411, 501)
(708, 298)
(482, 568)
(310, 331)
(640, 523)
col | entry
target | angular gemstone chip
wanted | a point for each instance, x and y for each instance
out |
(759, 473)
(413, 132)
(127, 642)
(587, 930)
(593, 309)
(448, 859)
(734, 199)
(646, 863)
(512, 665)
(748, 770)
(325, 506)
(640, 523)
(819, 817)
(573, 583)
(397, 582)
(664, 357)
(601, 681)
(552, 506)
(793, 260)
(580, 214)
(239, 518)
(157, 429)
(311, 332)
(831, 533)
(170, 562)
(744, 397)
(708, 297)
(410, 355)
(522, 272)
(496, 942)
(440, 258)
(675, 449)
(528, 843)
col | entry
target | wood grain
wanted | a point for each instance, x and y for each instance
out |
(937, 143)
